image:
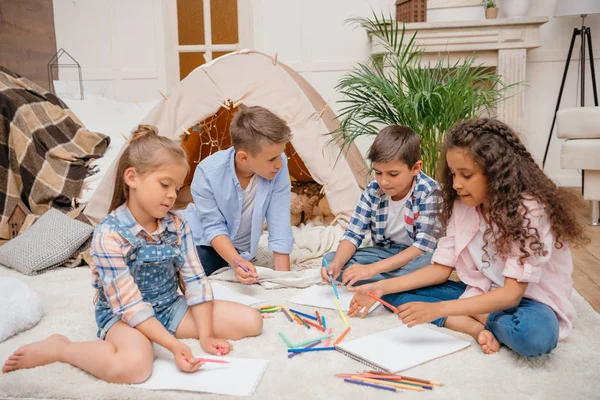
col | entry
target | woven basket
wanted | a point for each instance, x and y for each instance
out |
(411, 10)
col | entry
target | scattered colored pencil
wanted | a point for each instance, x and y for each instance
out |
(337, 295)
(341, 337)
(267, 316)
(323, 322)
(268, 310)
(303, 314)
(302, 344)
(384, 378)
(328, 340)
(318, 342)
(318, 318)
(286, 341)
(286, 314)
(407, 378)
(304, 323)
(206, 360)
(386, 383)
(370, 385)
(265, 307)
(319, 327)
(385, 303)
(240, 265)
(337, 305)
(304, 350)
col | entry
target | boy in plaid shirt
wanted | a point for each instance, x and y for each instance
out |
(399, 209)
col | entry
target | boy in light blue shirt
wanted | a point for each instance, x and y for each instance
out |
(234, 190)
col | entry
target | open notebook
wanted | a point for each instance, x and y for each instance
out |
(239, 378)
(401, 348)
(322, 296)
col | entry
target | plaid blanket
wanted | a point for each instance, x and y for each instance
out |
(44, 149)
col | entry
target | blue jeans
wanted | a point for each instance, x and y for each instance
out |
(529, 329)
(210, 259)
(372, 254)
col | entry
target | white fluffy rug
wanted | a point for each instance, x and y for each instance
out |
(571, 371)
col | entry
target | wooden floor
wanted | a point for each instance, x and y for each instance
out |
(586, 264)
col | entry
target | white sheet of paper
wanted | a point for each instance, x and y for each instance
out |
(401, 348)
(222, 292)
(322, 296)
(238, 378)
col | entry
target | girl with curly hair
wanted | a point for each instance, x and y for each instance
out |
(508, 231)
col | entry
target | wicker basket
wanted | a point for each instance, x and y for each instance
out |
(411, 10)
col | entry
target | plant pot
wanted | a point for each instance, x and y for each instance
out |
(515, 8)
(491, 13)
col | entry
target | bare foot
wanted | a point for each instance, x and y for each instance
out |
(36, 354)
(488, 342)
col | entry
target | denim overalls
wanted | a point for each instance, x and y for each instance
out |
(154, 270)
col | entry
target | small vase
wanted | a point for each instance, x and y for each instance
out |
(515, 8)
(491, 13)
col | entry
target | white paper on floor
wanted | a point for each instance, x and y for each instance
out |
(238, 378)
(222, 292)
(322, 296)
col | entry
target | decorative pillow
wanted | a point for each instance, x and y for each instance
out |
(51, 241)
(20, 307)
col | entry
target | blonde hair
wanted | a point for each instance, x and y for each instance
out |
(146, 152)
(254, 126)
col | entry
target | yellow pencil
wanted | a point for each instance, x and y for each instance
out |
(337, 304)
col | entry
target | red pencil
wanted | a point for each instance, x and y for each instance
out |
(318, 318)
(388, 305)
(319, 327)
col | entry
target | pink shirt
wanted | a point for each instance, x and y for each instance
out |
(549, 276)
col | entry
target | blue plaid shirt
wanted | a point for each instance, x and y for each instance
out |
(420, 214)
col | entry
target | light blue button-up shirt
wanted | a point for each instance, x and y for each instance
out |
(217, 206)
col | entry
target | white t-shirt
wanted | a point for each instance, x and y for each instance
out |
(395, 227)
(489, 268)
(241, 241)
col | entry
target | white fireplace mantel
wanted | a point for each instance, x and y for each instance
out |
(500, 43)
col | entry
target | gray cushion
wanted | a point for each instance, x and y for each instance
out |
(47, 244)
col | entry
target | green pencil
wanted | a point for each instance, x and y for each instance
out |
(301, 344)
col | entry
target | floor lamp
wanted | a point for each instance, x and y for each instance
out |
(582, 8)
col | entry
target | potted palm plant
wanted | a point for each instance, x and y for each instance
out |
(491, 10)
(395, 87)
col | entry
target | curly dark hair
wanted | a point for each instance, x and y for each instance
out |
(513, 176)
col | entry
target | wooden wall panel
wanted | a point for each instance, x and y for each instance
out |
(27, 38)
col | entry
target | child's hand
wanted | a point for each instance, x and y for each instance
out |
(218, 347)
(334, 271)
(357, 272)
(360, 304)
(375, 288)
(247, 278)
(417, 312)
(184, 359)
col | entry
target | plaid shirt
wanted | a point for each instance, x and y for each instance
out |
(420, 214)
(110, 269)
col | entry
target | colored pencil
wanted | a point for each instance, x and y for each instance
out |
(407, 378)
(341, 337)
(268, 311)
(388, 379)
(304, 323)
(319, 327)
(328, 340)
(388, 305)
(286, 341)
(240, 265)
(318, 342)
(210, 360)
(323, 322)
(267, 316)
(303, 314)
(318, 318)
(370, 385)
(337, 295)
(337, 304)
(304, 350)
(265, 307)
(286, 314)
(386, 383)
(301, 344)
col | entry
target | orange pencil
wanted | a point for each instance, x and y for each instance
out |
(314, 325)
(388, 305)
(318, 318)
(339, 339)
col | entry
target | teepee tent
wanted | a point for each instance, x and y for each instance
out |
(252, 78)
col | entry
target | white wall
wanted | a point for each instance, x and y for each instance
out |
(120, 45)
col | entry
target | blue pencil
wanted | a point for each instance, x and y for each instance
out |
(304, 350)
(318, 342)
(323, 322)
(304, 315)
(332, 283)
(370, 385)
